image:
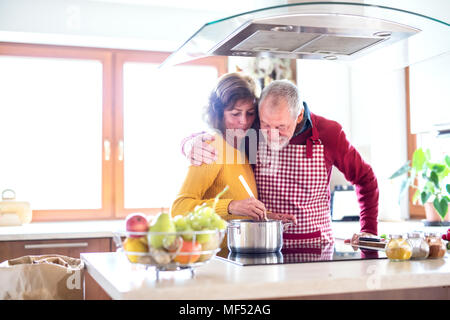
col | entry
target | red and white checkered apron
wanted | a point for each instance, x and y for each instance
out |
(294, 181)
(324, 252)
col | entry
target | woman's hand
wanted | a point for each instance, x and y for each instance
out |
(283, 217)
(249, 207)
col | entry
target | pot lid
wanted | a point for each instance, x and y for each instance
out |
(352, 33)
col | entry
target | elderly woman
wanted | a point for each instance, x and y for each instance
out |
(231, 112)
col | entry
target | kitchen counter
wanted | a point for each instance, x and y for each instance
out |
(61, 230)
(105, 228)
(223, 280)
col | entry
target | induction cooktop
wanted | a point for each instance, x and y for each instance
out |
(338, 251)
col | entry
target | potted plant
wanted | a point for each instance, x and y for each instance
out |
(429, 179)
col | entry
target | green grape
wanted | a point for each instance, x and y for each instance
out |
(188, 236)
(222, 225)
(207, 212)
(203, 238)
(180, 223)
(204, 220)
(217, 222)
(195, 223)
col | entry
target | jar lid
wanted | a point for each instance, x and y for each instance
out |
(415, 234)
(432, 234)
(395, 236)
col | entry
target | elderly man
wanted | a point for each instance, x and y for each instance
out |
(304, 147)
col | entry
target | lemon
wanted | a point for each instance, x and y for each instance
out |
(134, 245)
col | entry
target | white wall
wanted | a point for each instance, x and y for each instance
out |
(158, 25)
(324, 85)
(371, 108)
(379, 123)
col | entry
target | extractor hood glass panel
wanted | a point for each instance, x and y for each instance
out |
(431, 38)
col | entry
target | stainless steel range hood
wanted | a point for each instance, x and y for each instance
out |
(313, 36)
(341, 31)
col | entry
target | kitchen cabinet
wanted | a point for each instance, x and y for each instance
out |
(67, 247)
(429, 95)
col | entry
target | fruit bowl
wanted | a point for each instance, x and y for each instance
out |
(170, 251)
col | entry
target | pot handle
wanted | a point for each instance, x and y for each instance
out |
(286, 225)
(235, 227)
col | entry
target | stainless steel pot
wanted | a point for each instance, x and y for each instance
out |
(256, 258)
(248, 236)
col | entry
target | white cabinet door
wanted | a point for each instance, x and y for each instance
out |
(430, 94)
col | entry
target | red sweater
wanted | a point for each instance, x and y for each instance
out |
(341, 154)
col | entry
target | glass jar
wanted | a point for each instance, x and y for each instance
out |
(420, 247)
(398, 249)
(437, 246)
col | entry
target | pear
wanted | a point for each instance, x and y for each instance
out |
(162, 223)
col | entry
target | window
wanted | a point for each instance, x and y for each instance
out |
(95, 133)
(51, 129)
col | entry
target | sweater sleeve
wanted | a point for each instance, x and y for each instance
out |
(348, 160)
(197, 181)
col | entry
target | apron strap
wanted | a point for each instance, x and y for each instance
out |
(309, 144)
(311, 140)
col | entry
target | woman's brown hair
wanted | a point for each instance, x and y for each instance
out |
(230, 88)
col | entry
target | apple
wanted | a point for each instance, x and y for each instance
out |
(136, 222)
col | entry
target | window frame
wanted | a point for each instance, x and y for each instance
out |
(221, 63)
(416, 211)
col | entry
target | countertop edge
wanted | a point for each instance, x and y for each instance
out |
(291, 286)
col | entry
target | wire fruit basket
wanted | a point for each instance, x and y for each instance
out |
(170, 251)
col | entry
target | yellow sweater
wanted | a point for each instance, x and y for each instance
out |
(204, 182)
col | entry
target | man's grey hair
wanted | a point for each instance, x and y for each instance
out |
(287, 90)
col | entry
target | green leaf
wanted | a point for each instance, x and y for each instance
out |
(424, 196)
(437, 167)
(444, 173)
(429, 187)
(448, 188)
(404, 169)
(418, 159)
(434, 178)
(416, 196)
(441, 207)
(447, 160)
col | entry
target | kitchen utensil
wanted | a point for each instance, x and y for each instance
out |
(12, 212)
(248, 236)
(249, 191)
(372, 245)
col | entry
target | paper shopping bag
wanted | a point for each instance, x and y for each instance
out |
(43, 277)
